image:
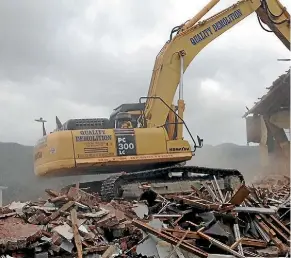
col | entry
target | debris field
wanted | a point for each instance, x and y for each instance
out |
(250, 221)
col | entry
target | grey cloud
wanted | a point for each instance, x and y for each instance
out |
(28, 30)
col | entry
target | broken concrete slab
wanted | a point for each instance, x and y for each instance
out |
(16, 234)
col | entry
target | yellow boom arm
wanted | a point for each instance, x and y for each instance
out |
(192, 37)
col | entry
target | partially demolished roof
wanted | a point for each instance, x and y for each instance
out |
(277, 98)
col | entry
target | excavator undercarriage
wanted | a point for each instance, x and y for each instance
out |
(112, 187)
(164, 179)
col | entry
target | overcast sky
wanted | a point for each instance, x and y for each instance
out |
(80, 59)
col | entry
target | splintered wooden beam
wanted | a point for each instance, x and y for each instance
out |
(241, 194)
(184, 245)
(219, 244)
(202, 204)
(56, 214)
(77, 237)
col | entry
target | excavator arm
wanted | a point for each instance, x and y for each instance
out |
(176, 55)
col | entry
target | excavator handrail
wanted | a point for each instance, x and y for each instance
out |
(183, 122)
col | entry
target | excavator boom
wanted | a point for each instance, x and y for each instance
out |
(192, 37)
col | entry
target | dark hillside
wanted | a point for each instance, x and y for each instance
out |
(16, 173)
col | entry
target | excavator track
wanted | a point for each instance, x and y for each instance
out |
(112, 187)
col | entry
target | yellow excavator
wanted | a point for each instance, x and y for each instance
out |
(145, 139)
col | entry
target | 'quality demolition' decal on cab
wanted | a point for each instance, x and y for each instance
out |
(93, 135)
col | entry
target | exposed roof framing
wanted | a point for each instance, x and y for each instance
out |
(277, 98)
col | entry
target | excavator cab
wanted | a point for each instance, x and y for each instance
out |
(123, 120)
(129, 112)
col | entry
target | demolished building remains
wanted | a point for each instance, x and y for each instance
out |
(249, 221)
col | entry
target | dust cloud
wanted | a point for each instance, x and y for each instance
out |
(246, 159)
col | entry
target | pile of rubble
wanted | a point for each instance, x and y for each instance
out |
(247, 222)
